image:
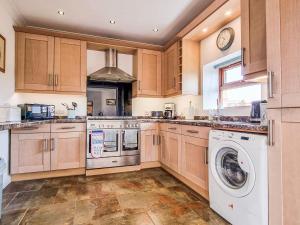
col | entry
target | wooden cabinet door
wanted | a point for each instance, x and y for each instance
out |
(290, 165)
(30, 153)
(174, 149)
(275, 168)
(70, 65)
(171, 70)
(290, 48)
(164, 152)
(34, 62)
(194, 161)
(253, 23)
(149, 146)
(149, 73)
(68, 150)
(273, 53)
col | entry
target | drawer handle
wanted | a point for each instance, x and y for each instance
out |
(172, 128)
(193, 131)
(114, 161)
(29, 128)
(67, 128)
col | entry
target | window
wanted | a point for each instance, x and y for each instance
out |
(234, 91)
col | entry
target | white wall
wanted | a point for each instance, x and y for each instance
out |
(7, 79)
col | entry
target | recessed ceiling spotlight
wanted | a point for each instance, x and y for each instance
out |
(61, 12)
(155, 30)
(228, 13)
(112, 21)
(204, 30)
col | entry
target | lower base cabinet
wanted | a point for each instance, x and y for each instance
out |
(36, 149)
(194, 160)
(174, 150)
(149, 146)
(67, 150)
(30, 153)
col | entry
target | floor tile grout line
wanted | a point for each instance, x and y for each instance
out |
(11, 200)
(23, 216)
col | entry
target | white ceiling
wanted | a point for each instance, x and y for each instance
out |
(135, 19)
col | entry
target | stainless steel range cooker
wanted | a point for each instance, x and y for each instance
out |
(112, 143)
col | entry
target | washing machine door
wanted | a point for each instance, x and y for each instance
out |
(232, 168)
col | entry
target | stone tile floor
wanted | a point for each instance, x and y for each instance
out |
(148, 197)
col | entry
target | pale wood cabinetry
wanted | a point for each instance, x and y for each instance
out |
(70, 65)
(34, 62)
(253, 24)
(164, 151)
(30, 153)
(170, 70)
(148, 69)
(149, 146)
(194, 160)
(41, 148)
(67, 150)
(173, 143)
(50, 65)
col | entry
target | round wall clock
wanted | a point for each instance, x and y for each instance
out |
(225, 38)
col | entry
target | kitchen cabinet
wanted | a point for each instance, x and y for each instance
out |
(30, 153)
(290, 47)
(253, 31)
(170, 75)
(173, 143)
(164, 151)
(47, 148)
(148, 68)
(45, 64)
(34, 62)
(68, 150)
(275, 167)
(70, 65)
(273, 53)
(149, 146)
(194, 160)
(30, 149)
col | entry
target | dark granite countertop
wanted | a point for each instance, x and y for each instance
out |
(221, 125)
(28, 123)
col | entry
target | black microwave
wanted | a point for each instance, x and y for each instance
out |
(37, 111)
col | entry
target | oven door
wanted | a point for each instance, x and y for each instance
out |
(130, 142)
(111, 143)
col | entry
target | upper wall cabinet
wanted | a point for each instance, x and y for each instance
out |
(50, 65)
(34, 62)
(170, 75)
(253, 25)
(148, 70)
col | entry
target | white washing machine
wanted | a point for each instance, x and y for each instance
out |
(238, 177)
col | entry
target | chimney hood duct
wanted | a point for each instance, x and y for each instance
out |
(111, 72)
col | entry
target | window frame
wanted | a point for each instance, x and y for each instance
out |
(231, 85)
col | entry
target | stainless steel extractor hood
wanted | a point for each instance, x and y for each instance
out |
(111, 72)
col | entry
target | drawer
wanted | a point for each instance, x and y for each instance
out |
(195, 131)
(149, 126)
(67, 127)
(169, 127)
(32, 128)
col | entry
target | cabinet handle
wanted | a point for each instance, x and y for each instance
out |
(243, 56)
(158, 139)
(271, 141)
(192, 131)
(50, 79)
(206, 156)
(139, 84)
(174, 82)
(172, 128)
(67, 128)
(270, 84)
(56, 80)
(30, 128)
(52, 143)
(45, 145)
(153, 139)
